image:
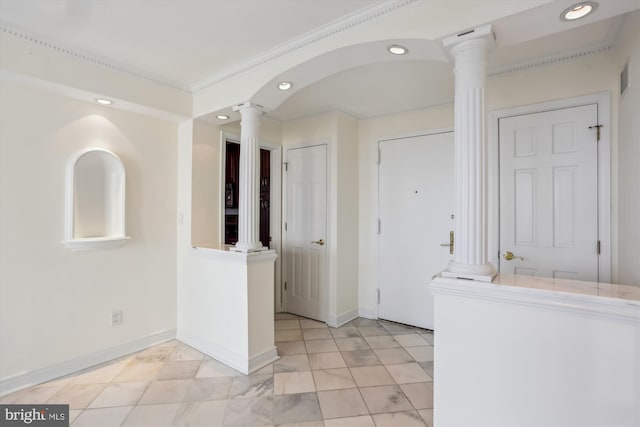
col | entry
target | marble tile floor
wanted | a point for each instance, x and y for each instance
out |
(365, 373)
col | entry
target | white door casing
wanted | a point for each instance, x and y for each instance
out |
(415, 203)
(549, 193)
(305, 232)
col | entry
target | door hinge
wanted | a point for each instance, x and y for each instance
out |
(286, 166)
(597, 131)
(378, 295)
(379, 156)
(379, 226)
(599, 247)
(285, 286)
(285, 226)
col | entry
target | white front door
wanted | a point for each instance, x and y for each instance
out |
(306, 231)
(416, 204)
(549, 194)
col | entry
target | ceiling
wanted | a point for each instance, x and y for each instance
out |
(189, 42)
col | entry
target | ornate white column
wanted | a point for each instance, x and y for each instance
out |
(248, 191)
(470, 250)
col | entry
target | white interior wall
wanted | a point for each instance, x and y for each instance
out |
(347, 219)
(55, 304)
(205, 210)
(629, 153)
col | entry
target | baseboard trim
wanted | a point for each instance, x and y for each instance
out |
(367, 314)
(341, 319)
(261, 360)
(216, 351)
(39, 376)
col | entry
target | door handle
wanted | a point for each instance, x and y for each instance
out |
(450, 244)
(509, 256)
(318, 242)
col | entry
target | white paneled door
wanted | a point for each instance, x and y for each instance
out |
(549, 194)
(306, 231)
(416, 204)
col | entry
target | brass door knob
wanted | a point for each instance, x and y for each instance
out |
(508, 255)
(318, 242)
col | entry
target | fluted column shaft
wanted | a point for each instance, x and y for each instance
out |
(470, 250)
(248, 190)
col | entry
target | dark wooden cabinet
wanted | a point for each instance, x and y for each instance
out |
(265, 196)
(231, 185)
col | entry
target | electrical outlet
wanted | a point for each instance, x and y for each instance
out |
(116, 317)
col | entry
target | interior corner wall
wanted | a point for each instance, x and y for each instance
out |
(347, 221)
(628, 45)
(55, 304)
(205, 209)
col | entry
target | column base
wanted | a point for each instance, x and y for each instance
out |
(481, 272)
(248, 247)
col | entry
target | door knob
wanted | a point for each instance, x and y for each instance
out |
(509, 256)
(318, 242)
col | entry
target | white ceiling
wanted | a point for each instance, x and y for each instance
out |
(188, 42)
(182, 41)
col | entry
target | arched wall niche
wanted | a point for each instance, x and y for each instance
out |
(95, 200)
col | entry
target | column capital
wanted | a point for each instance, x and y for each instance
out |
(480, 33)
(245, 106)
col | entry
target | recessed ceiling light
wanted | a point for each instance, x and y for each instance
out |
(104, 101)
(285, 85)
(222, 117)
(396, 49)
(579, 10)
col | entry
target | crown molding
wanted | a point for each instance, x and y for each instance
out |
(341, 24)
(551, 59)
(337, 26)
(109, 64)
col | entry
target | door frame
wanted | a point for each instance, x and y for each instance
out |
(275, 200)
(281, 302)
(603, 102)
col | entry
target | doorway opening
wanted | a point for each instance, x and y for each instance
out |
(231, 184)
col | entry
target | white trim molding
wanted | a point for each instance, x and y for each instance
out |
(551, 59)
(38, 376)
(89, 57)
(545, 294)
(341, 319)
(235, 360)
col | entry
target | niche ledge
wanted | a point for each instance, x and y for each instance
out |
(89, 243)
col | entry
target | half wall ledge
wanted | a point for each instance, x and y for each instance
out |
(530, 351)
